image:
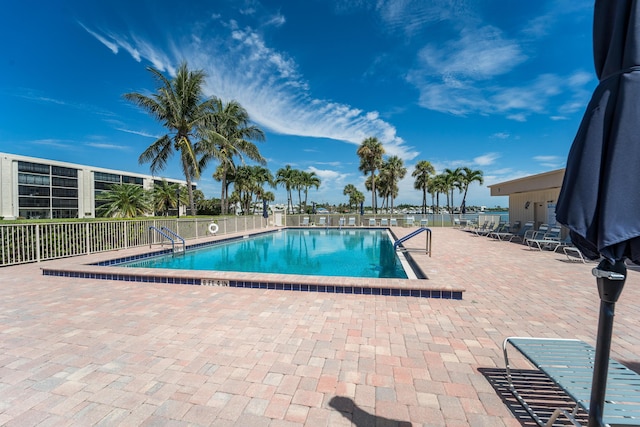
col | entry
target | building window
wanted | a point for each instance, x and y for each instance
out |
(47, 191)
(24, 178)
(33, 167)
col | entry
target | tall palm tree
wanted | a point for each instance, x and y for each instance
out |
(422, 173)
(124, 201)
(308, 180)
(468, 177)
(370, 153)
(440, 186)
(454, 181)
(225, 175)
(178, 104)
(287, 177)
(351, 191)
(394, 171)
(229, 136)
(261, 176)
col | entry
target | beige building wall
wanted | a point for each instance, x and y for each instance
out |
(531, 198)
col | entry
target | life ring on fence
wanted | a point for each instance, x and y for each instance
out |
(213, 228)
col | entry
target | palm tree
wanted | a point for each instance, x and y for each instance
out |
(394, 170)
(164, 196)
(261, 176)
(350, 190)
(370, 153)
(439, 185)
(454, 181)
(469, 176)
(308, 180)
(124, 201)
(229, 136)
(178, 104)
(287, 177)
(422, 173)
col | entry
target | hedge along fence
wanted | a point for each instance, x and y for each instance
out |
(24, 243)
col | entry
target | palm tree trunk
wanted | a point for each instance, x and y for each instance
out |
(190, 191)
(373, 193)
(223, 195)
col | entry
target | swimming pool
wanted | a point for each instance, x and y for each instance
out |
(365, 253)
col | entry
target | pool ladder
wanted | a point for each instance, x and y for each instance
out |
(397, 245)
(167, 234)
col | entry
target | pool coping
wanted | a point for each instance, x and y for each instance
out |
(100, 266)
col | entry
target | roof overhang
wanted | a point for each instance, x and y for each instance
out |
(541, 181)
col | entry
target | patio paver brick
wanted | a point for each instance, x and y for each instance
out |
(102, 352)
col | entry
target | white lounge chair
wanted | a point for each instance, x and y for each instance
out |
(424, 222)
(384, 222)
(408, 222)
(394, 222)
(305, 221)
(322, 222)
(550, 238)
(352, 221)
(372, 222)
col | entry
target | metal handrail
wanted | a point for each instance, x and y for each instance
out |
(184, 244)
(166, 236)
(399, 242)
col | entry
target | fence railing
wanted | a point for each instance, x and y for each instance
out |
(24, 243)
(400, 219)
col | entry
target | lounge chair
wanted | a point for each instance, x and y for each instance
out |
(408, 222)
(485, 229)
(394, 222)
(569, 364)
(550, 238)
(424, 222)
(352, 221)
(563, 243)
(573, 254)
(501, 230)
(535, 234)
(528, 226)
(341, 222)
(372, 222)
(322, 222)
(305, 221)
(384, 222)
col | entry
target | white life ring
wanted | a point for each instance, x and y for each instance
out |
(213, 228)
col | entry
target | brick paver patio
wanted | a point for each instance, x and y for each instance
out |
(97, 352)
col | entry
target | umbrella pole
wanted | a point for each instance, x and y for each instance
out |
(610, 278)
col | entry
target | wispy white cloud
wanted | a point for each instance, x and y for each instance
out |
(108, 146)
(57, 143)
(486, 159)
(112, 46)
(137, 47)
(277, 96)
(550, 161)
(459, 77)
(501, 135)
(135, 132)
(264, 80)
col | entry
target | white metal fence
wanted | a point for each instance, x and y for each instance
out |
(23, 243)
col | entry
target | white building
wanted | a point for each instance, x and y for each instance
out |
(38, 188)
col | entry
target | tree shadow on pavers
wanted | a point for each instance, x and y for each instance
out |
(541, 394)
(360, 418)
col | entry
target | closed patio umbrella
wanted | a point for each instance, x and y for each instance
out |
(600, 197)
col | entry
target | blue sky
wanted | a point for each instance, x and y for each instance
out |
(495, 85)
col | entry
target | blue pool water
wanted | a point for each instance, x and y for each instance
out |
(328, 252)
